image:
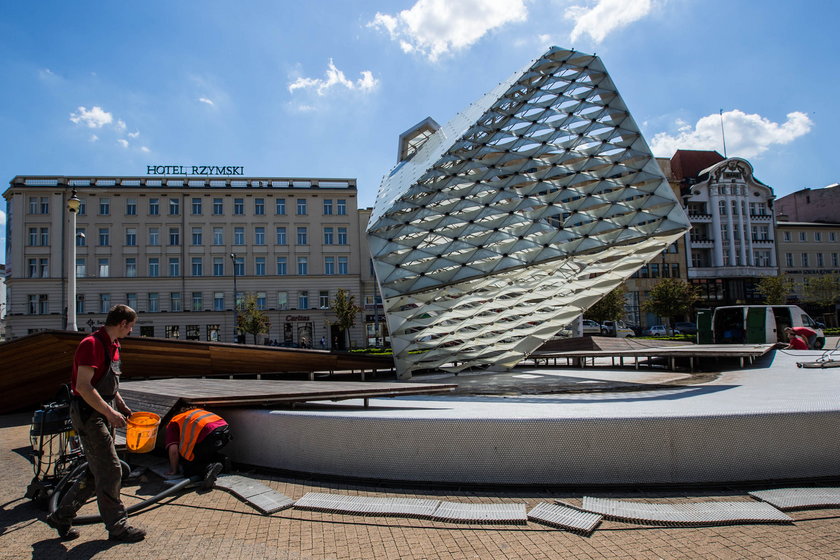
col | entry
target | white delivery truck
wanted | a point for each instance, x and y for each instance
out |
(753, 324)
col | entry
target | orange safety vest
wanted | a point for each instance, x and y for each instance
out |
(190, 424)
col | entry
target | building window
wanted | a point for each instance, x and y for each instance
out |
(218, 301)
(259, 206)
(832, 236)
(328, 236)
(104, 303)
(81, 267)
(329, 265)
(259, 235)
(820, 260)
(834, 261)
(193, 332)
(259, 266)
(302, 266)
(789, 259)
(32, 300)
(301, 207)
(218, 266)
(154, 206)
(131, 300)
(197, 266)
(282, 301)
(196, 207)
(328, 207)
(130, 268)
(104, 268)
(239, 266)
(803, 236)
(281, 266)
(239, 206)
(218, 236)
(80, 304)
(261, 301)
(82, 208)
(805, 259)
(301, 235)
(154, 302)
(172, 331)
(197, 301)
(280, 207)
(786, 236)
(303, 300)
(342, 265)
(239, 300)
(218, 206)
(131, 208)
(174, 206)
(33, 268)
(324, 299)
(174, 266)
(104, 206)
(818, 236)
(342, 236)
(131, 237)
(44, 234)
(81, 238)
(281, 235)
(104, 237)
(213, 333)
(239, 236)
(175, 301)
(196, 236)
(154, 236)
(154, 267)
(174, 236)
(341, 207)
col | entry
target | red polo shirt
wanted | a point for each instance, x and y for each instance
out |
(91, 352)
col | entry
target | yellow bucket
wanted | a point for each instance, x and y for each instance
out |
(141, 431)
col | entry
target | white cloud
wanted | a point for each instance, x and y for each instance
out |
(335, 78)
(747, 136)
(605, 16)
(134, 134)
(2, 218)
(207, 101)
(145, 149)
(437, 27)
(94, 138)
(122, 142)
(96, 117)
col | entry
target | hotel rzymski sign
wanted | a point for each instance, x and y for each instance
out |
(195, 170)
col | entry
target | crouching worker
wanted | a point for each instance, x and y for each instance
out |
(194, 438)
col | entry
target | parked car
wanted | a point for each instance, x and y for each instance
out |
(617, 329)
(686, 327)
(659, 330)
(591, 327)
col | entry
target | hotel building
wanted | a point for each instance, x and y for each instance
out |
(182, 250)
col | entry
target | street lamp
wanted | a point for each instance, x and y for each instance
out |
(233, 260)
(73, 204)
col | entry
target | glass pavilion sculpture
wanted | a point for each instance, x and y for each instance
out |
(499, 228)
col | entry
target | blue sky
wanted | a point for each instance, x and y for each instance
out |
(323, 88)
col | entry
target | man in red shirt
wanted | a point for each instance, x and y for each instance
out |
(196, 436)
(96, 409)
(795, 341)
(808, 335)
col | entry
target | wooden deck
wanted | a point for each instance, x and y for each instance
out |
(165, 396)
(36, 365)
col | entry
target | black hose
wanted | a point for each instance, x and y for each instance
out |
(67, 481)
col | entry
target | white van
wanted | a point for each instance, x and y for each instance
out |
(754, 324)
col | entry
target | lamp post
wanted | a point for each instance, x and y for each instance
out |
(233, 260)
(73, 204)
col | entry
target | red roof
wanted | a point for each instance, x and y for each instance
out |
(689, 163)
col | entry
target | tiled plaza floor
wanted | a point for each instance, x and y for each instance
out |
(217, 525)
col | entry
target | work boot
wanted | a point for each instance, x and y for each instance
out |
(66, 532)
(213, 470)
(128, 535)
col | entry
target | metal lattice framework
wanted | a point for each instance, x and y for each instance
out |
(516, 216)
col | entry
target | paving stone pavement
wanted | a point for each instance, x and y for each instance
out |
(215, 524)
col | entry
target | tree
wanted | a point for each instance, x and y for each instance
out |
(252, 319)
(610, 307)
(345, 310)
(670, 297)
(822, 290)
(775, 289)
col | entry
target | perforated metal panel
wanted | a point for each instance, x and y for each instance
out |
(564, 517)
(365, 505)
(793, 498)
(695, 513)
(516, 216)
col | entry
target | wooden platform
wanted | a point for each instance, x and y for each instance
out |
(162, 396)
(36, 365)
